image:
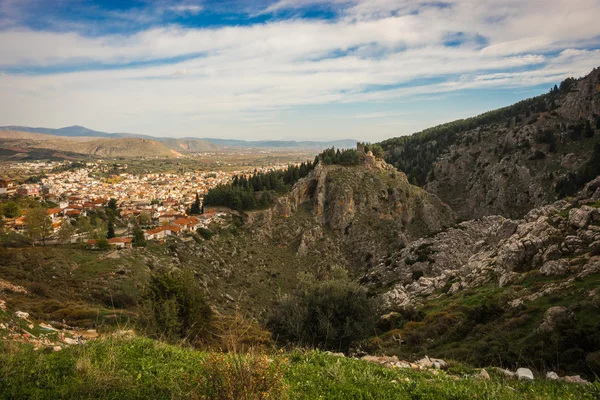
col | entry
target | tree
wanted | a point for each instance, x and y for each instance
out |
(38, 224)
(145, 219)
(195, 208)
(139, 240)
(65, 232)
(110, 230)
(588, 132)
(173, 306)
(112, 204)
(102, 244)
(329, 314)
(83, 225)
(11, 210)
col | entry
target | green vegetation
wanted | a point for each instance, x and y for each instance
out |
(415, 154)
(329, 314)
(173, 307)
(342, 157)
(478, 327)
(258, 190)
(138, 368)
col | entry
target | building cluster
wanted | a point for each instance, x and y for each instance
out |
(157, 201)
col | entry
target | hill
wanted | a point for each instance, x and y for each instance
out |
(123, 147)
(340, 144)
(509, 160)
(185, 144)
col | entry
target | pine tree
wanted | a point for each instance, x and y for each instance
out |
(195, 209)
(110, 233)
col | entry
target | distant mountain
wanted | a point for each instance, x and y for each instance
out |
(345, 143)
(25, 142)
(186, 144)
(69, 131)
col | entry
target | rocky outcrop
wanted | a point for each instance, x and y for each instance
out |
(366, 210)
(559, 239)
(525, 157)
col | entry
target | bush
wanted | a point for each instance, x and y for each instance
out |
(39, 288)
(206, 234)
(243, 376)
(173, 307)
(331, 315)
(234, 333)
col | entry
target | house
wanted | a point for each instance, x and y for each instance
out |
(187, 224)
(28, 190)
(5, 186)
(54, 213)
(161, 232)
(121, 242)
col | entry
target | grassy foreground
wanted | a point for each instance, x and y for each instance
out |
(138, 368)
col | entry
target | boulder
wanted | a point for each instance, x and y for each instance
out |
(22, 315)
(555, 316)
(553, 376)
(425, 362)
(381, 359)
(580, 217)
(524, 374)
(439, 363)
(555, 267)
(575, 379)
(483, 375)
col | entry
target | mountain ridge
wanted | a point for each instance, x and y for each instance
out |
(182, 143)
(509, 160)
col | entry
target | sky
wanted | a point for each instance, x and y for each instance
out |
(283, 69)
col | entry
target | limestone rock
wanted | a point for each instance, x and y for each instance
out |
(555, 316)
(575, 379)
(524, 374)
(483, 375)
(22, 315)
(581, 217)
(553, 376)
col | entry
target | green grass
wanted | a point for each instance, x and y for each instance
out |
(141, 368)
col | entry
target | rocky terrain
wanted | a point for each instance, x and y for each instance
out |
(561, 239)
(510, 160)
(363, 211)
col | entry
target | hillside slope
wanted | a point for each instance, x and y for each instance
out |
(363, 210)
(500, 289)
(123, 147)
(510, 160)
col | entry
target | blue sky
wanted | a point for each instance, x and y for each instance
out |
(283, 69)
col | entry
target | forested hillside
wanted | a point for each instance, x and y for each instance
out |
(532, 152)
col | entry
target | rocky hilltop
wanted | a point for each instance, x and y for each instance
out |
(364, 210)
(508, 161)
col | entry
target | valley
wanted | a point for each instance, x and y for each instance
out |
(483, 254)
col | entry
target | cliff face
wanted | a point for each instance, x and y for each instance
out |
(558, 240)
(511, 160)
(365, 210)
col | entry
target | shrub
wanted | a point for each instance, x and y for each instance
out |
(331, 315)
(173, 307)
(243, 376)
(234, 333)
(206, 234)
(39, 288)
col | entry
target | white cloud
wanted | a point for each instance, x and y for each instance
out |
(249, 74)
(186, 9)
